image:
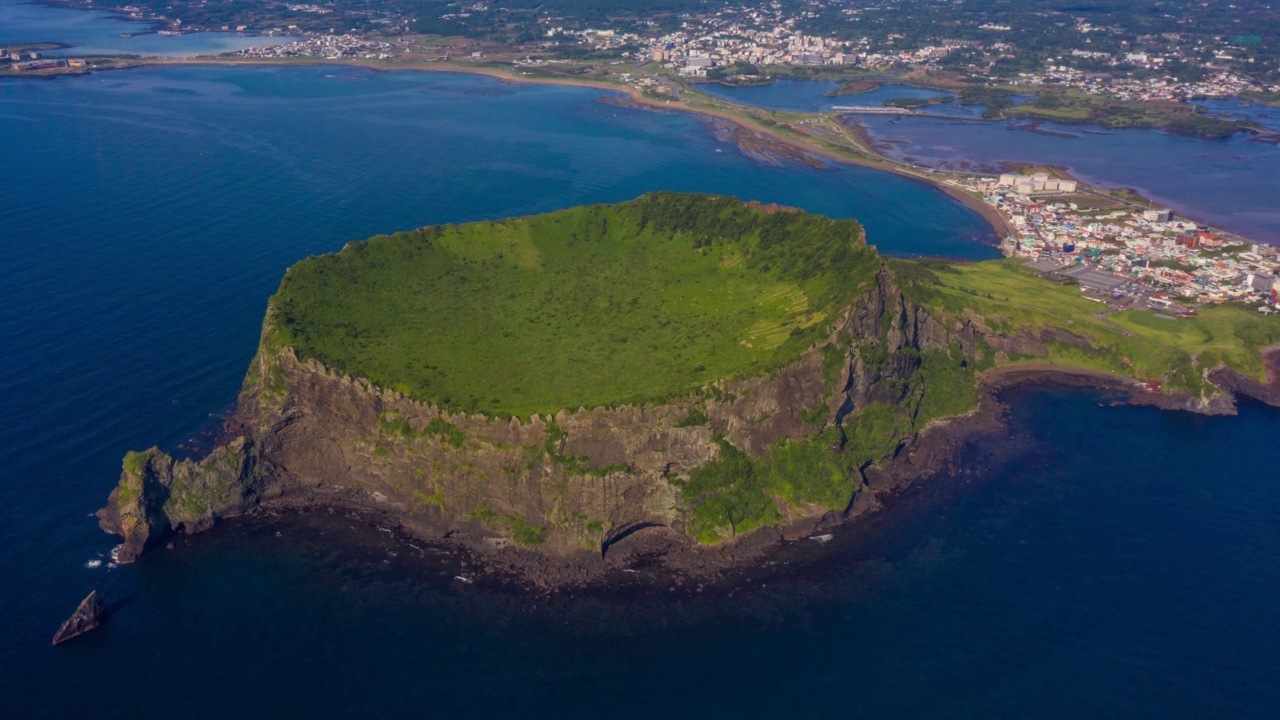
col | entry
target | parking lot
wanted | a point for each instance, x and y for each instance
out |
(1094, 279)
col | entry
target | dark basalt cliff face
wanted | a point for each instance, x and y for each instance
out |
(584, 479)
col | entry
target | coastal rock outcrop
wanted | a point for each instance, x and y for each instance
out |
(88, 616)
(157, 495)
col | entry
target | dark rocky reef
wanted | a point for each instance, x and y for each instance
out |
(88, 616)
(580, 484)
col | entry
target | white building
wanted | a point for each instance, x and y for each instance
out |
(1037, 184)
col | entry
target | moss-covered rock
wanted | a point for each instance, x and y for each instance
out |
(157, 495)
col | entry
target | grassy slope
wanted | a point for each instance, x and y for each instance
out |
(737, 493)
(591, 306)
(1130, 343)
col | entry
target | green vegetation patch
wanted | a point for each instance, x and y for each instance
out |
(907, 102)
(1230, 335)
(521, 530)
(737, 493)
(597, 305)
(1077, 106)
(439, 428)
(1134, 343)
(693, 418)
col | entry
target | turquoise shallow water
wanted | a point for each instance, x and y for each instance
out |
(1101, 562)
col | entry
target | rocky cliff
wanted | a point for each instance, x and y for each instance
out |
(582, 480)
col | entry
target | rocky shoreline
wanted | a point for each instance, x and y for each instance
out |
(564, 499)
(666, 558)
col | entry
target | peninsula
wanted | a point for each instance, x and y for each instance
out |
(685, 370)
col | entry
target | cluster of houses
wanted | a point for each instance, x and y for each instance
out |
(699, 46)
(1220, 83)
(692, 53)
(1128, 254)
(765, 35)
(324, 46)
(769, 34)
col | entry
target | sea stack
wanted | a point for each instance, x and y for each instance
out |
(86, 617)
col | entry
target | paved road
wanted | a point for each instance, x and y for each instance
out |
(673, 88)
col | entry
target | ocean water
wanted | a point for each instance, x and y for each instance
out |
(1105, 562)
(93, 32)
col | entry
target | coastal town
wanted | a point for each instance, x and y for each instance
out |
(1214, 84)
(1188, 51)
(768, 36)
(329, 47)
(1169, 66)
(1123, 255)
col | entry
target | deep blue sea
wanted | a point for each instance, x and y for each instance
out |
(1097, 562)
(1232, 183)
